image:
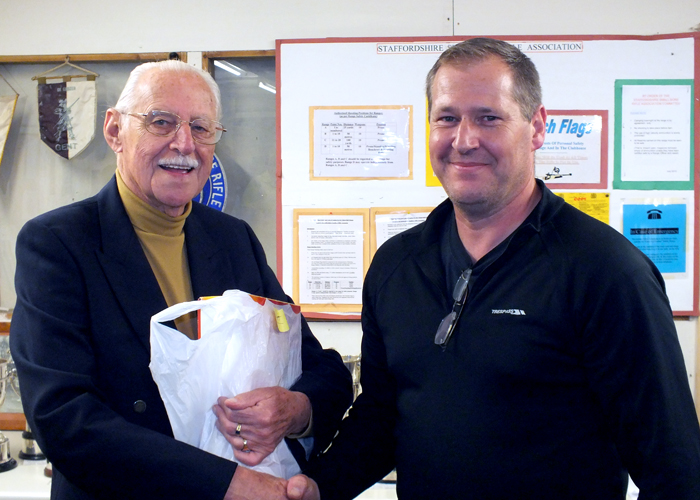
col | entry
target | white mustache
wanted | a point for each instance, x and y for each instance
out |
(179, 161)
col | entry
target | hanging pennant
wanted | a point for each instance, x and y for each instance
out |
(7, 111)
(67, 110)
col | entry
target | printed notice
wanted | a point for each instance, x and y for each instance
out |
(656, 133)
(390, 222)
(572, 152)
(659, 232)
(361, 143)
(331, 258)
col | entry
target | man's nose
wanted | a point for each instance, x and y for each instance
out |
(182, 140)
(466, 137)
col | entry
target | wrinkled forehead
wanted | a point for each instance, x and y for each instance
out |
(490, 71)
(176, 91)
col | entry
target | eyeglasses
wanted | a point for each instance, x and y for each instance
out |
(165, 124)
(448, 323)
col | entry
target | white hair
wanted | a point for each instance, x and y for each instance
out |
(129, 96)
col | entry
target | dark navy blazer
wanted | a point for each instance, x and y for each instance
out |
(80, 340)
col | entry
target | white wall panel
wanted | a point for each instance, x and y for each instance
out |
(95, 27)
(591, 17)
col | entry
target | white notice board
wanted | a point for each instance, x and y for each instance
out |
(579, 74)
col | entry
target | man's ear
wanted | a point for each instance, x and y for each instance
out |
(112, 129)
(539, 126)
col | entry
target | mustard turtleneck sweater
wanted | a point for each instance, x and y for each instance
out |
(163, 241)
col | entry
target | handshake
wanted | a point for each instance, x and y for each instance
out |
(248, 485)
(254, 423)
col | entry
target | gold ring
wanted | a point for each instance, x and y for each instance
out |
(238, 430)
(245, 448)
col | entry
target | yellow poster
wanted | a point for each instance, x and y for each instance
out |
(431, 179)
(597, 205)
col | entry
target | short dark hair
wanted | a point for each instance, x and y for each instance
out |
(527, 91)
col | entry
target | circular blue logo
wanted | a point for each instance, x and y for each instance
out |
(214, 191)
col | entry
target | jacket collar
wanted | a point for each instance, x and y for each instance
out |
(129, 274)
(125, 265)
(211, 271)
(543, 212)
(428, 254)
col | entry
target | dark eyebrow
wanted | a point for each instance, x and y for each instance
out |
(452, 110)
(486, 110)
(478, 110)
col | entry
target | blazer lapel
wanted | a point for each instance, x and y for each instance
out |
(125, 265)
(210, 269)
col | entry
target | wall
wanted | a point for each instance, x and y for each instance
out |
(37, 27)
(94, 26)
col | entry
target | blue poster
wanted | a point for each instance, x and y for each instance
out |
(659, 232)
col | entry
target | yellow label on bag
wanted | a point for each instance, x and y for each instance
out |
(282, 324)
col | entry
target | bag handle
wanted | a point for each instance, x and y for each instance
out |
(177, 310)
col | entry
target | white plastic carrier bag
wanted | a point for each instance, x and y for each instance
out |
(245, 343)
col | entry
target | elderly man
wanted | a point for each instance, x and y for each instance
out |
(89, 277)
(513, 347)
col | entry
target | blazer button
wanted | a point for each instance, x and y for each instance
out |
(140, 406)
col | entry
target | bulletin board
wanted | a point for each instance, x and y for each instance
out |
(621, 142)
